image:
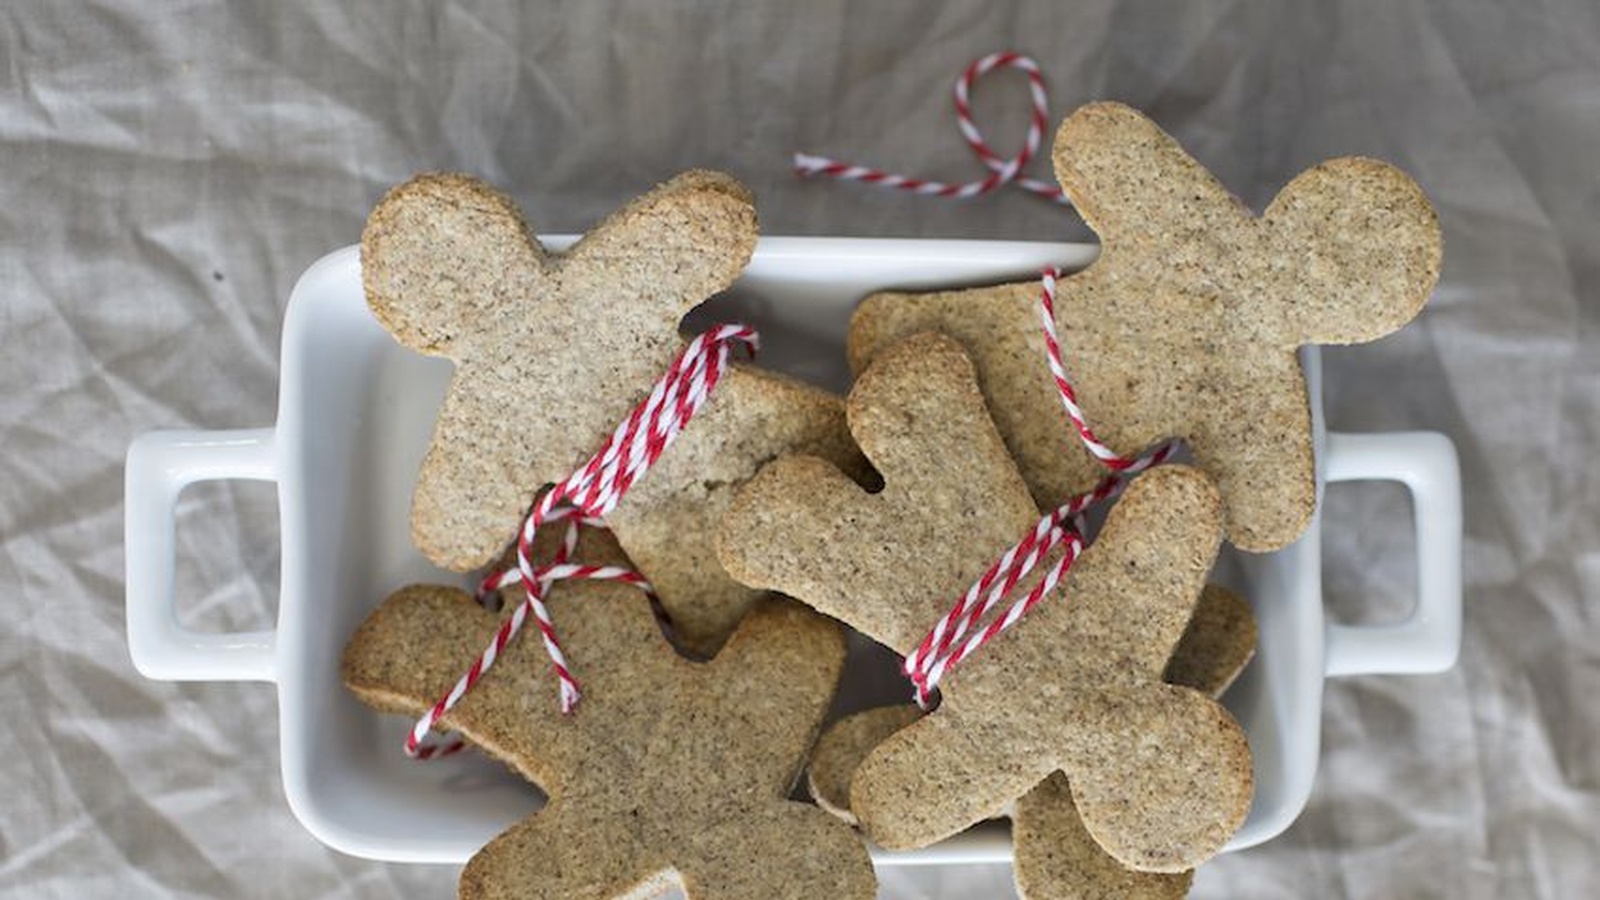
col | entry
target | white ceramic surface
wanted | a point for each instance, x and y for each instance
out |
(355, 411)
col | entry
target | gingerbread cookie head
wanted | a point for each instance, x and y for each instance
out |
(1163, 772)
(1188, 323)
(551, 351)
(670, 772)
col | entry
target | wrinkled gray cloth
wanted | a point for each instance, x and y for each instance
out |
(166, 175)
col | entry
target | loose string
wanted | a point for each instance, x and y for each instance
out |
(582, 500)
(948, 643)
(943, 647)
(1002, 170)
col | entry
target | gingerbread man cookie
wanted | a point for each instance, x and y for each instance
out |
(671, 773)
(552, 351)
(1219, 642)
(1162, 774)
(1188, 323)
(1054, 856)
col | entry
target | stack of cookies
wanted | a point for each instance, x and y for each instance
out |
(782, 514)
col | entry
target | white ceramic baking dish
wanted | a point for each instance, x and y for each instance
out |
(354, 414)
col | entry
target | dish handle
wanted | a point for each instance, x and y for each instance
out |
(160, 465)
(1429, 639)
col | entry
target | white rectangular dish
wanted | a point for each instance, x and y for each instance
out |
(354, 416)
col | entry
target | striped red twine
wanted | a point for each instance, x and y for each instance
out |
(948, 642)
(1002, 171)
(582, 500)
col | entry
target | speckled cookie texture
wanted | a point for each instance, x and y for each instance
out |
(667, 523)
(1055, 858)
(1187, 324)
(1161, 773)
(552, 351)
(1217, 644)
(843, 746)
(670, 773)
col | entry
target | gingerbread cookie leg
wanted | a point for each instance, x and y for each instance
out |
(843, 746)
(538, 859)
(940, 775)
(801, 842)
(1056, 858)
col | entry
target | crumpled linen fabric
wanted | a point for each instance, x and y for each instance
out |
(167, 172)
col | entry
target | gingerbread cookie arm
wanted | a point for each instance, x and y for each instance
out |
(1361, 247)
(414, 646)
(467, 502)
(790, 528)
(920, 411)
(973, 316)
(543, 857)
(999, 328)
(663, 254)
(1132, 183)
(1262, 461)
(420, 640)
(783, 656)
(812, 853)
(940, 775)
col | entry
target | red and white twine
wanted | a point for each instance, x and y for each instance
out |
(582, 499)
(1069, 398)
(594, 489)
(1002, 170)
(949, 641)
(944, 647)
